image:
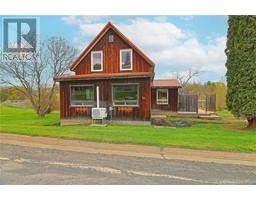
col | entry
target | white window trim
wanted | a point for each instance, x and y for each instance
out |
(120, 60)
(138, 97)
(157, 100)
(101, 59)
(70, 100)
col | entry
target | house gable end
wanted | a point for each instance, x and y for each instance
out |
(111, 53)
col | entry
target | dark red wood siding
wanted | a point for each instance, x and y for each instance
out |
(111, 57)
(173, 100)
(142, 112)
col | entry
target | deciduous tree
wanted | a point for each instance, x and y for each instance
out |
(35, 78)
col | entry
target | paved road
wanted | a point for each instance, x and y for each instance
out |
(26, 165)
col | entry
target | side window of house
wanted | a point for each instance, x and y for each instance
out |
(162, 96)
(126, 59)
(125, 95)
(96, 61)
(81, 95)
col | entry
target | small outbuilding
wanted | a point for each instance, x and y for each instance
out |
(164, 95)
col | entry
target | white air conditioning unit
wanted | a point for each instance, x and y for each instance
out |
(99, 113)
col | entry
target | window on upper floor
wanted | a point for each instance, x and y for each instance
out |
(126, 59)
(96, 61)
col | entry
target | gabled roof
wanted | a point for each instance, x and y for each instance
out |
(169, 83)
(108, 26)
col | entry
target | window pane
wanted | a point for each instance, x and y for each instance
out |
(126, 59)
(162, 95)
(125, 94)
(96, 61)
(82, 95)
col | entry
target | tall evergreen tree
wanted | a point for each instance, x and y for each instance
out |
(241, 67)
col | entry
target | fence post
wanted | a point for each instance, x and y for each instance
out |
(206, 103)
(196, 103)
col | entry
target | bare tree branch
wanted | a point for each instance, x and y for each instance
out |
(184, 78)
(34, 78)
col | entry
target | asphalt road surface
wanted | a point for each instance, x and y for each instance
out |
(26, 165)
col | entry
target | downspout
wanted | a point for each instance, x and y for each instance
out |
(97, 96)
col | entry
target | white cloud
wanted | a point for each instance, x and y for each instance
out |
(194, 55)
(152, 36)
(70, 19)
(88, 26)
(170, 47)
(91, 29)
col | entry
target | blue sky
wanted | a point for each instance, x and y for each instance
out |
(175, 43)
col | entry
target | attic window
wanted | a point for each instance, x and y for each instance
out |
(111, 38)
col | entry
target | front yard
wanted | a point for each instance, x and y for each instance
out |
(211, 135)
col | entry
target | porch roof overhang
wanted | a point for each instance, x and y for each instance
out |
(168, 83)
(99, 76)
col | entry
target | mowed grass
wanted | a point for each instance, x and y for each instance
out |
(211, 136)
(225, 113)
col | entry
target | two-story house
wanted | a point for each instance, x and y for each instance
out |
(124, 76)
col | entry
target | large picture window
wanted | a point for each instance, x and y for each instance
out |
(81, 95)
(126, 59)
(125, 95)
(162, 96)
(96, 61)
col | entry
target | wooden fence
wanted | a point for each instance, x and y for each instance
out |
(191, 103)
(188, 103)
(210, 103)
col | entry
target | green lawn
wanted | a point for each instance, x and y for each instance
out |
(211, 136)
(225, 113)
